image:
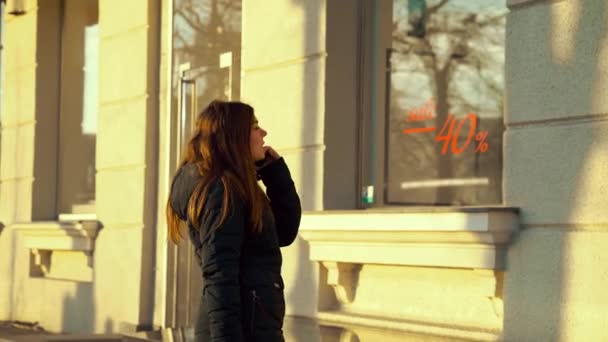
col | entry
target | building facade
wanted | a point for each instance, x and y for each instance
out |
(449, 156)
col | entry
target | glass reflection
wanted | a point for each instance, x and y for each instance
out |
(79, 106)
(206, 39)
(446, 62)
(206, 65)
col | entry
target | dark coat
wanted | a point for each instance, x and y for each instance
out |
(243, 290)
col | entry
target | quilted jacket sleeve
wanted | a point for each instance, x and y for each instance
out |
(284, 200)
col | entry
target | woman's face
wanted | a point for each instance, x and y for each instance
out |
(256, 140)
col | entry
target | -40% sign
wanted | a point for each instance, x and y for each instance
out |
(450, 132)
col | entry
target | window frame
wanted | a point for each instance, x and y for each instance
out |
(374, 110)
(77, 210)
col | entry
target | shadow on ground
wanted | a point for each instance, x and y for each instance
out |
(296, 329)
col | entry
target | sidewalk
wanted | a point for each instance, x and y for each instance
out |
(11, 330)
(296, 329)
(27, 332)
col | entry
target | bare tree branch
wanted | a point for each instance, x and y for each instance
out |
(492, 21)
(431, 10)
(194, 25)
(178, 36)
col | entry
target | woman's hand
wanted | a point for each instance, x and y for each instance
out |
(271, 156)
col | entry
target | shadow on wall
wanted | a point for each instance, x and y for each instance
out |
(327, 103)
(79, 311)
(549, 178)
(148, 257)
(11, 274)
(303, 286)
(300, 294)
(108, 326)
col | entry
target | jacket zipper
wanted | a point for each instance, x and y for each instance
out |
(253, 302)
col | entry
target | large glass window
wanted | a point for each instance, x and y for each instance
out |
(206, 56)
(79, 106)
(440, 69)
(206, 65)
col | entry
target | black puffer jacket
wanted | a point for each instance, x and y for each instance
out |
(243, 290)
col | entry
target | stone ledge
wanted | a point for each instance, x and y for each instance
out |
(351, 321)
(59, 241)
(73, 236)
(444, 238)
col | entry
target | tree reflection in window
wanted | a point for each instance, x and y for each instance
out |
(202, 31)
(450, 51)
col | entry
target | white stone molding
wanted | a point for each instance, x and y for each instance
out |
(343, 278)
(42, 239)
(465, 238)
(472, 238)
(41, 260)
(348, 336)
(357, 328)
(74, 236)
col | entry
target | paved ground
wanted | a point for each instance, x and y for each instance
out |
(296, 330)
(12, 329)
(31, 332)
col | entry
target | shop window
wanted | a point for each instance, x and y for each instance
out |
(206, 65)
(206, 56)
(436, 115)
(79, 105)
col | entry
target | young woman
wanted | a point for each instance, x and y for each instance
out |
(235, 228)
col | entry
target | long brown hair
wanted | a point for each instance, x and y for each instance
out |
(220, 149)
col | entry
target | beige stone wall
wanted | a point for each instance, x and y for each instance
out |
(555, 169)
(457, 297)
(30, 112)
(126, 162)
(287, 81)
(119, 293)
(283, 78)
(29, 69)
(56, 303)
(165, 164)
(28, 125)
(283, 63)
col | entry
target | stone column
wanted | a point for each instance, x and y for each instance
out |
(30, 112)
(283, 63)
(127, 147)
(555, 167)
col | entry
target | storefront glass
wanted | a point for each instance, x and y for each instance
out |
(444, 74)
(79, 106)
(206, 65)
(206, 56)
